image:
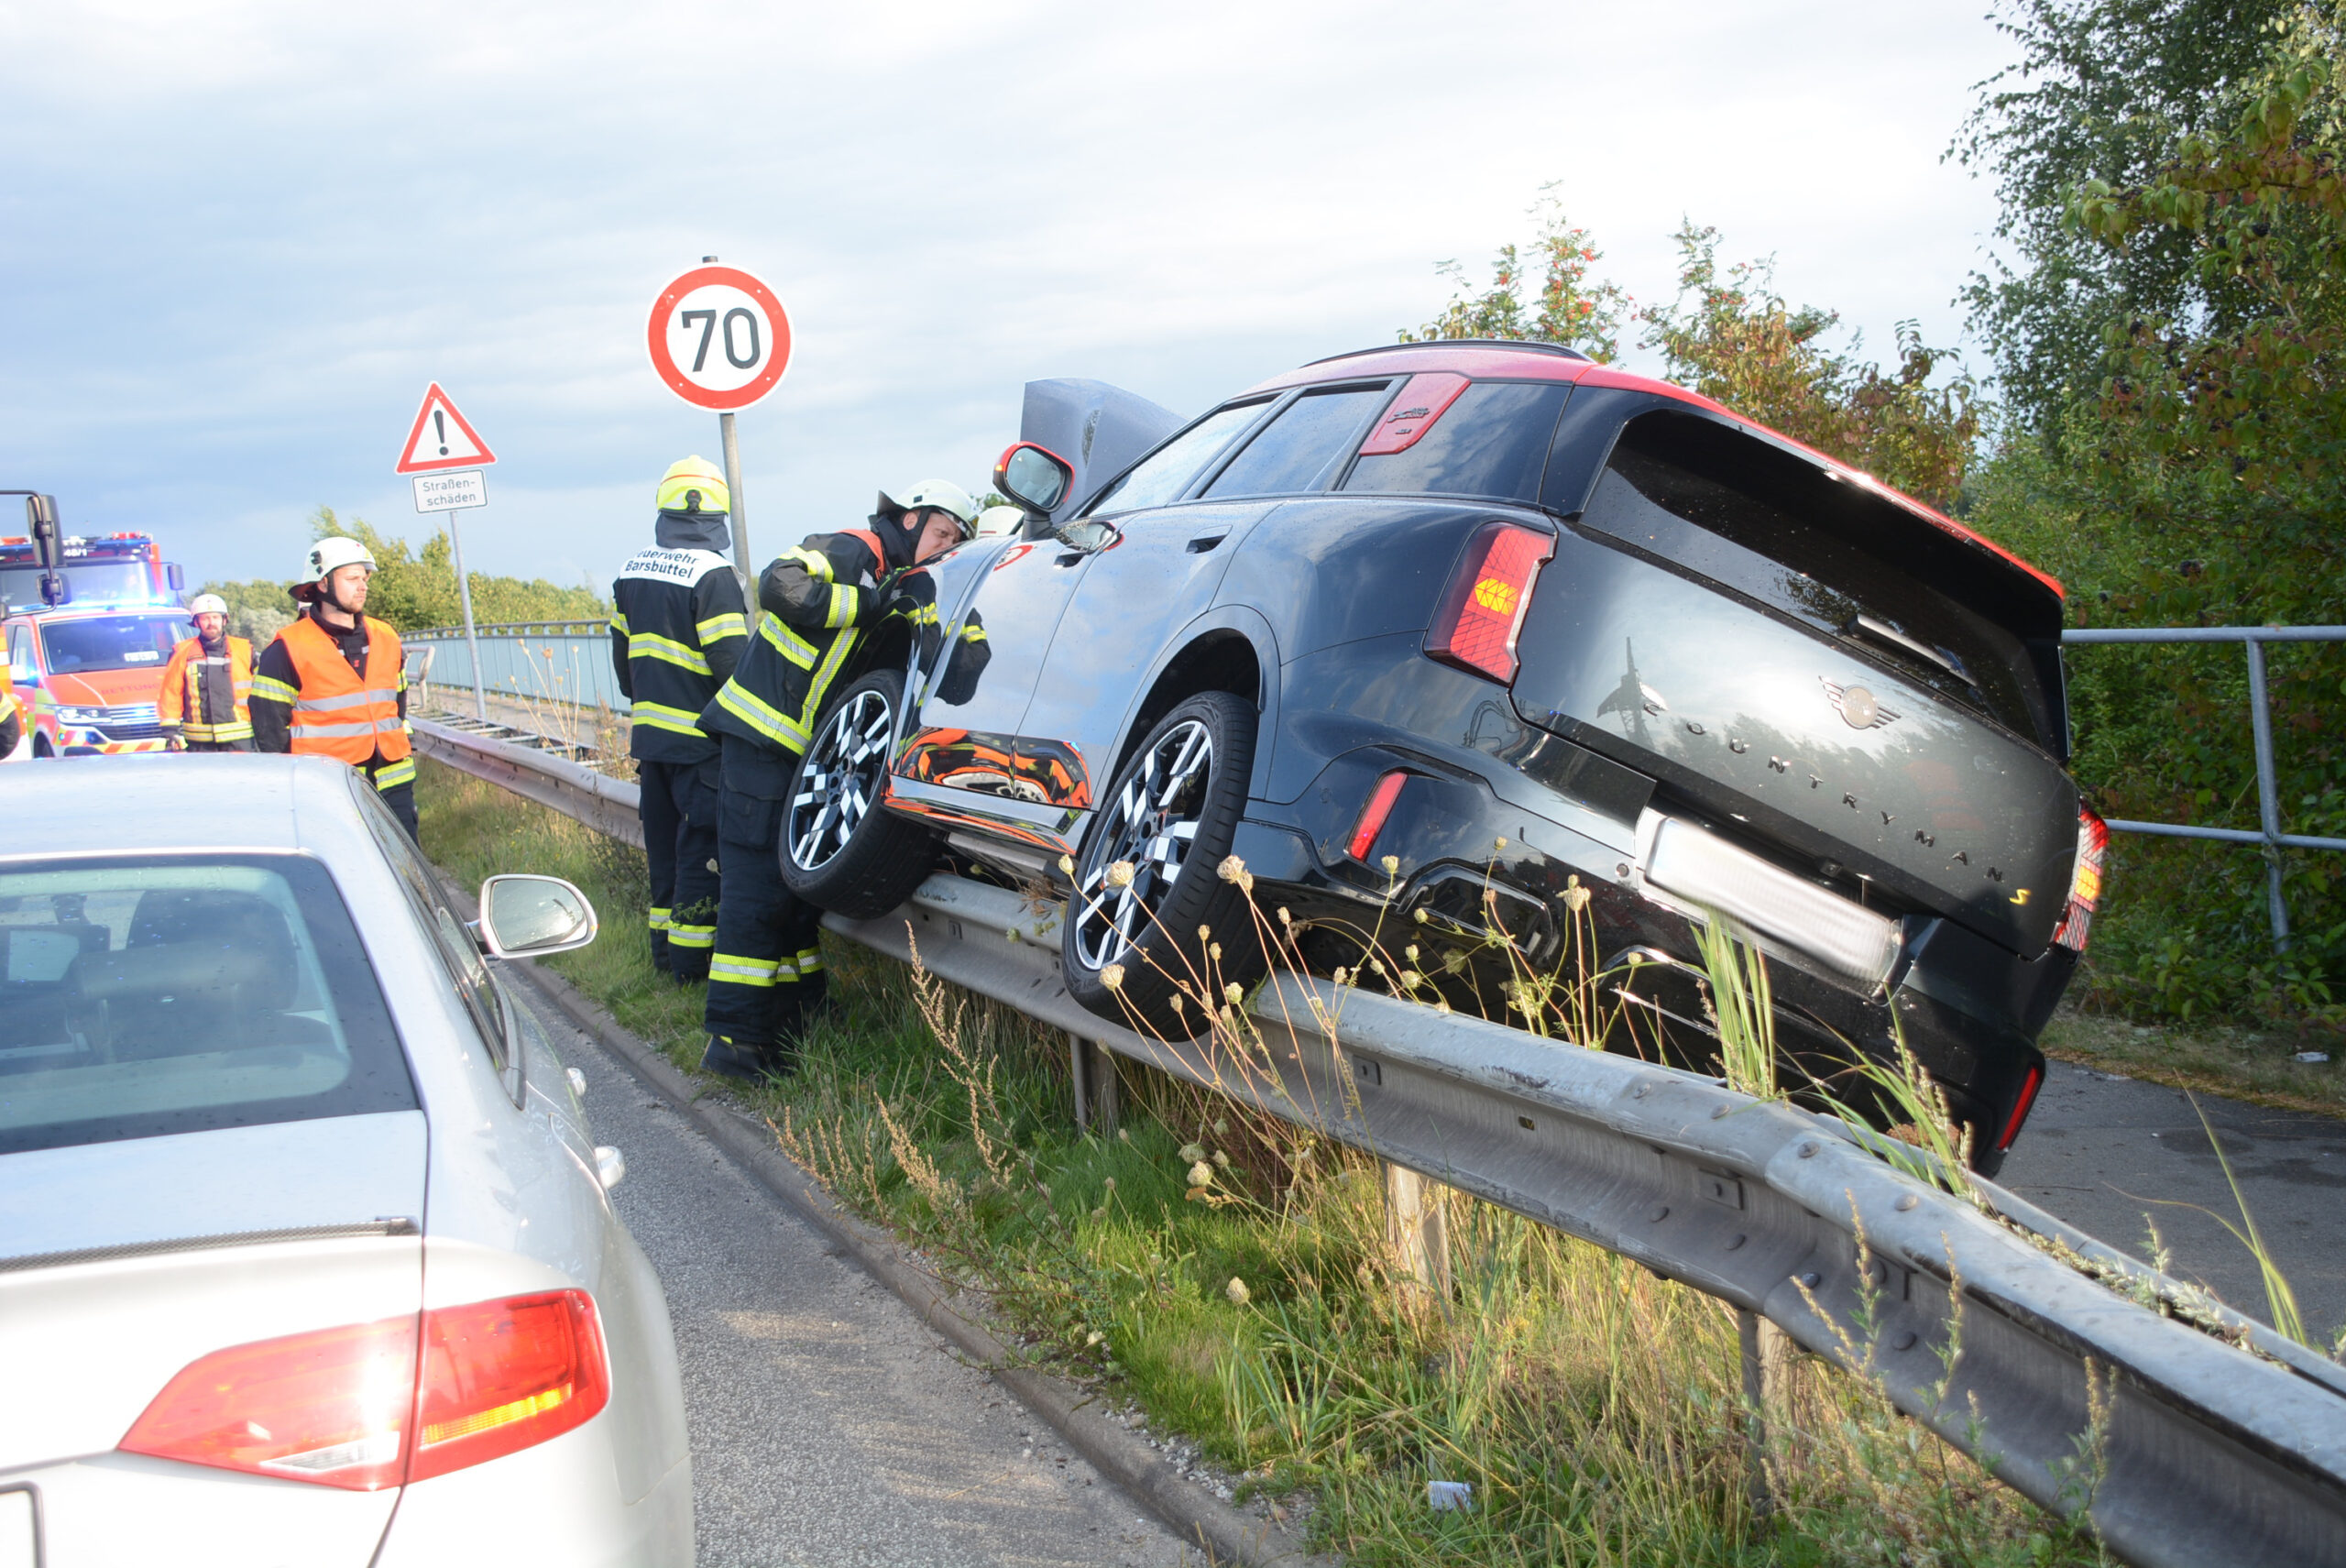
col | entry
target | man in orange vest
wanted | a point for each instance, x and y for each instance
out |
(333, 683)
(208, 684)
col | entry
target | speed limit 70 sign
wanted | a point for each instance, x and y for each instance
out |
(718, 337)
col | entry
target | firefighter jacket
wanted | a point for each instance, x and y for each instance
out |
(677, 631)
(207, 698)
(12, 723)
(321, 691)
(818, 598)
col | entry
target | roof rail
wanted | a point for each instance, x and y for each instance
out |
(1517, 344)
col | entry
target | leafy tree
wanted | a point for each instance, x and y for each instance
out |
(257, 610)
(1569, 309)
(2103, 90)
(1730, 336)
(411, 591)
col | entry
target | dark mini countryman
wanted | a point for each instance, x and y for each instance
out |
(1434, 637)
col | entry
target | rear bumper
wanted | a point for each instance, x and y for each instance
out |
(1465, 860)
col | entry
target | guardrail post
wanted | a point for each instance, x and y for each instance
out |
(1416, 1230)
(2268, 792)
(1767, 1356)
(1097, 1100)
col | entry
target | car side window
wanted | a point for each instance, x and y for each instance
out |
(467, 970)
(1492, 441)
(20, 651)
(1165, 474)
(1295, 451)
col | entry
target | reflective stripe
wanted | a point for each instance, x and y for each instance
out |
(270, 690)
(718, 626)
(787, 642)
(735, 970)
(618, 621)
(810, 961)
(333, 732)
(770, 722)
(216, 734)
(683, 936)
(364, 698)
(842, 610)
(817, 565)
(393, 774)
(658, 917)
(658, 716)
(668, 651)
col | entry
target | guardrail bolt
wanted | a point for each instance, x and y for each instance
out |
(1807, 1151)
(1812, 1279)
(1908, 1201)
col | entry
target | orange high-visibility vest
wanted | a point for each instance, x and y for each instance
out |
(181, 702)
(340, 712)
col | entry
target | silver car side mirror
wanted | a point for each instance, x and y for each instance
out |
(529, 916)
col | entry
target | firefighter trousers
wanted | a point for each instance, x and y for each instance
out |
(678, 809)
(395, 788)
(765, 973)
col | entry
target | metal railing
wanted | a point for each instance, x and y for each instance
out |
(564, 662)
(2268, 835)
(2205, 1448)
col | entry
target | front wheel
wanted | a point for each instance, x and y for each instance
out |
(840, 850)
(1150, 878)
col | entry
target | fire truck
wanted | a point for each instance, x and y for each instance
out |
(112, 569)
(87, 671)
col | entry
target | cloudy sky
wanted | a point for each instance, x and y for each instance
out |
(237, 239)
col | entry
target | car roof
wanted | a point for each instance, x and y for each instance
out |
(1491, 358)
(163, 802)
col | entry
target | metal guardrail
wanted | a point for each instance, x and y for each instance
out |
(2206, 1451)
(2269, 837)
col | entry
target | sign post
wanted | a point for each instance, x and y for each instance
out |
(719, 339)
(445, 458)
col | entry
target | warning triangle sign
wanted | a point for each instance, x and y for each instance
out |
(441, 439)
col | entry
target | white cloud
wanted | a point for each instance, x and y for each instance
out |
(237, 240)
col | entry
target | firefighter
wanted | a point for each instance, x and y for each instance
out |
(333, 683)
(204, 705)
(765, 978)
(676, 633)
(12, 723)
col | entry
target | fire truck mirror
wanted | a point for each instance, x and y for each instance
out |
(49, 539)
(54, 589)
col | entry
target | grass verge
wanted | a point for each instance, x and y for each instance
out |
(2255, 1065)
(1233, 1276)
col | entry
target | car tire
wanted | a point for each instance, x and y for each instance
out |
(842, 850)
(42, 748)
(1170, 816)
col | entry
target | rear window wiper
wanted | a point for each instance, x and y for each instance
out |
(1865, 626)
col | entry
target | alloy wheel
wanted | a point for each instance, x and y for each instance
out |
(1150, 828)
(841, 781)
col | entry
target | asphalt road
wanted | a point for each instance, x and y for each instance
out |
(828, 1425)
(2114, 1156)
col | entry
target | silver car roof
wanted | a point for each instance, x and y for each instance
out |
(100, 805)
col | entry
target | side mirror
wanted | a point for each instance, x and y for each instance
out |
(529, 916)
(1087, 537)
(1035, 476)
(173, 574)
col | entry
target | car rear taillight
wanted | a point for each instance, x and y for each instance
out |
(1483, 608)
(335, 1406)
(2020, 1107)
(2085, 882)
(1372, 815)
(500, 1376)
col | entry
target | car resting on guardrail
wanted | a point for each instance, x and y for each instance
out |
(1478, 634)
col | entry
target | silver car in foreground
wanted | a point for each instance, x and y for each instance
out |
(305, 1255)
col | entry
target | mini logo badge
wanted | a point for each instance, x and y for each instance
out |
(1857, 707)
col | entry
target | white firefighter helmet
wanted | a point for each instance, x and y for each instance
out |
(206, 604)
(329, 555)
(942, 494)
(995, 522)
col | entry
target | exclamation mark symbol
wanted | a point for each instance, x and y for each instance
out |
(440, 423)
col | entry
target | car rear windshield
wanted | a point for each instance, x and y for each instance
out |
(111, 642)
(178, 994)
(1701, 497)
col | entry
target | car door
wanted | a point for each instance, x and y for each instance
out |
(1163, 571)
(962, 755)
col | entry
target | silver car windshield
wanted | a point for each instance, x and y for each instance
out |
(145, 997)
